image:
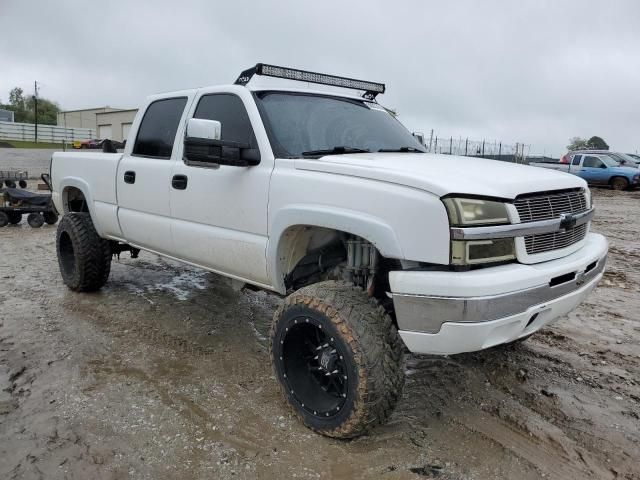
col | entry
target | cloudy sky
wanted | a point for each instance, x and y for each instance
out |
(531, 71)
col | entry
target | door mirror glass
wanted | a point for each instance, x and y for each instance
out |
(201, 128)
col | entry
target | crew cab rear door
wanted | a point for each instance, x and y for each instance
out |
(220, 211)
(145, 173)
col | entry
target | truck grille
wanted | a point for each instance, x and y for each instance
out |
(545, 207)
(547, 242)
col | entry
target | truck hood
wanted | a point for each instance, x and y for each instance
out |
(445, 174)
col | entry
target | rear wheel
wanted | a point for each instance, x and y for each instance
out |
(619, 183)
(338, 357)
(35, 220)
(84, 258)
(14, 217)
(4, 219)
(50, 217)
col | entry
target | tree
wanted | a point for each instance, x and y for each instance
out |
(577, 143)
(24, 108)
(16, 98)
(597, 143)
(594, 143)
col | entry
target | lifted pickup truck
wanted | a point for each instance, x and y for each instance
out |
(596, 169)
(325, 198)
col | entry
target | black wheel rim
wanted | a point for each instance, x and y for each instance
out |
(313, 367)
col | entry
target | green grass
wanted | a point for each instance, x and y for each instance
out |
(21, 144)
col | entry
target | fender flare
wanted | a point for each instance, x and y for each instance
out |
(372, 229)
(83, 186)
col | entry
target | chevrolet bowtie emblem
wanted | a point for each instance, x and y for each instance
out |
(567, 221)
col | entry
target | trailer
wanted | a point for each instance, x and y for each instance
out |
(14, 203)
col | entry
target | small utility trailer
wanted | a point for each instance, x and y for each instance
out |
(16, 202)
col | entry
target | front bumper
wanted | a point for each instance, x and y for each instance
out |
(453, 312)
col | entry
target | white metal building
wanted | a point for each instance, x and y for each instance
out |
(115, 125)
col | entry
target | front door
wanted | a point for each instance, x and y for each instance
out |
(220, 211)
(144, 177)
(594, 170)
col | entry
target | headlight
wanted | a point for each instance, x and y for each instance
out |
(473, 252)
(470, 211)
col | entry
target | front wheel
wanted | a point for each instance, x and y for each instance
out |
(619, 183)
(84, 258)
(338, 357)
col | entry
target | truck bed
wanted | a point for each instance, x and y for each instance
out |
(95, 174)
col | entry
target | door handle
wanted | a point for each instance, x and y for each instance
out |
(129, 177)
(179, 182)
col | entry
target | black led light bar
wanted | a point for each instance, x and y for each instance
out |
(371, 89)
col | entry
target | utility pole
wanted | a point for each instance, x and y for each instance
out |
(35, 106)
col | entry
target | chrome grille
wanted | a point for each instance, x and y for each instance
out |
(545, 207)
(546, 242)
(549, 206)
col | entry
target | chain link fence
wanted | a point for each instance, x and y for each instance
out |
(516, 153)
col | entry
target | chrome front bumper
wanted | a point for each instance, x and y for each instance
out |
(426, 301)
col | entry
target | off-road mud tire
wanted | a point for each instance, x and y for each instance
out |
(619, 183)
(373, 351)
(35, 220)
(14, 217)
(83, 257)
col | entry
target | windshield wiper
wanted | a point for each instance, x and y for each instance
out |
(402, 149)
(334, 151)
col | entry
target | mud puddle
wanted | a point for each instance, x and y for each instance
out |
(165, 374)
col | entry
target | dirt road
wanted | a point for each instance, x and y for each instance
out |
(165, 374)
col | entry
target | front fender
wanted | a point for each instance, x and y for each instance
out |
(371, 228)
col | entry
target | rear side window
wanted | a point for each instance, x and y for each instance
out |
(230, 112)
(158, 128)
(576, 160)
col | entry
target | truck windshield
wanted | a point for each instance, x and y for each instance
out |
(300, 124)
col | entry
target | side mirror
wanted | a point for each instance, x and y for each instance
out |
(204, 148)
(201, 128)
(603, 166)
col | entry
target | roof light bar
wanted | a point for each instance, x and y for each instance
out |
(371, 88)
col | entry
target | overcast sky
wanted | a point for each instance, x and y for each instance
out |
(533, 71)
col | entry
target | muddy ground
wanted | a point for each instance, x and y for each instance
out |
(165, 374)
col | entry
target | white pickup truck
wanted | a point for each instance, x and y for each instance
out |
(325, 198)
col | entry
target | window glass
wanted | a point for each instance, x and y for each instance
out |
(158, 128)
(576, 160)
(230, 112)
(299, 123)
(593, 162)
